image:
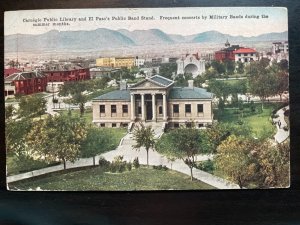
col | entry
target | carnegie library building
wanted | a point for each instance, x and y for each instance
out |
(154, 99)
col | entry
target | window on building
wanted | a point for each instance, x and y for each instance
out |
(114, 125)
(239, 54)
(188, 108)
(102, 108)
(176, 108)
(113, 108)
(246, 54)
(139, 110)
(251, 54)
(240, 60)
(102, 124)
(200, 125)
(176, 125)
(125, 108)
(160, 110)
(200, 108)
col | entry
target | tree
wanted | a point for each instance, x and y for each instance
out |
(284, 65)
(167, 69)
(32, 106)
(182, 143)
(144, 137)
(75, 90)
(218, 66)
(219, 132)
(282, 83)
(57, 137)
(263, 85)
(229, 66)
(97, 141)
(221, 90)
(240, 68)
(235, 160)
(274, 164)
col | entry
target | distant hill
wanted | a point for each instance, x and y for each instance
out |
(105, 38)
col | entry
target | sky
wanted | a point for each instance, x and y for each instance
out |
(276, 20)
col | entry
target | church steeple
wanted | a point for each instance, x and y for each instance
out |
(227, 44)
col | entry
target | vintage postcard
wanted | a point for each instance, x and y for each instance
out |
(147, 99)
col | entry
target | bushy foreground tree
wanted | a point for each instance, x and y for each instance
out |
(57, 137)
(182, 143)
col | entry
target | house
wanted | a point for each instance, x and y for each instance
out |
(280, 47)
(245, 55)
(226, 53)
(25, 83)
(154, 99)
(58, 72)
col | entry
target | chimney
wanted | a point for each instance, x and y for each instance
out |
(191, 83)
(123, 85)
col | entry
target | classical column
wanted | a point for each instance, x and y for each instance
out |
(153, 108)
(132, 102)
(143, 106)
(165, 107)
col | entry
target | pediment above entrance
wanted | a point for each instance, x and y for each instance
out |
(153, 83)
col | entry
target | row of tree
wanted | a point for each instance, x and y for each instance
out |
(242, 159)
(63, 137)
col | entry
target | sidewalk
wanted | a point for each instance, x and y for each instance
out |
(281, 134)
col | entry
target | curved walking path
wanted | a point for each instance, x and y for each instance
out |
(125, 149)
(281, 134)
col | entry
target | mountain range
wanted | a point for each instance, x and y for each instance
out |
(103, 38)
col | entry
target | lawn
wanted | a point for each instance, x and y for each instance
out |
(15, 166)
(260, 122)
(98, 180)
(88, 114)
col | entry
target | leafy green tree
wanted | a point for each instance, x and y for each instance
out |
(240, 68)
(97, 141)
(182, 80)
(57, 137)
(75, 90)
(221, 90)
(9, 112)
(229, 67)
(144, 137)
(218, 66)
(32, 106)
(15, 132)
(167, 69)
(284, 65)
(219, 132)
(182, 143)
(235, 160)
(282, 83)
(263, 85)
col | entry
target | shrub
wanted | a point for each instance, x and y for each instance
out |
(286, 128)
(103, 163)
(129, 166)
(207, 166)
(136, 163)
(287, 113)
(160, 167)
(274, 116)
(118, 165)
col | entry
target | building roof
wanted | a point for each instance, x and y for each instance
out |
(24, 76)
(156, 79)
(196, 55)
(161, 80)
(115, 95)
(244, 50)
(189, 93)
(10, 71)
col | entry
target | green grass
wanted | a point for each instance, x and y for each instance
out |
(260, 122)
(96, 179)
(15, 166)
(88, 114)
